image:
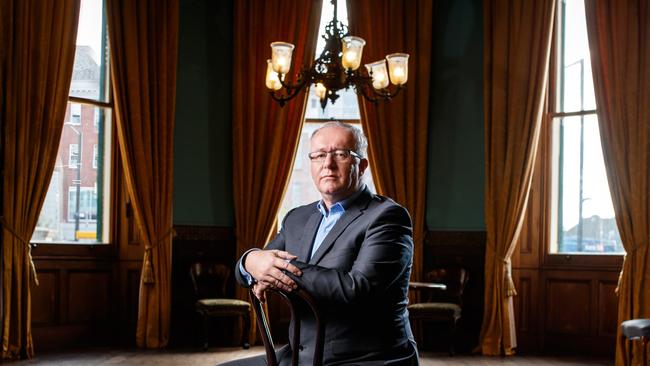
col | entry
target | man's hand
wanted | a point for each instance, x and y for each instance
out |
(266, 267)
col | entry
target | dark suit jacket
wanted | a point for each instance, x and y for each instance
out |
(359, 277)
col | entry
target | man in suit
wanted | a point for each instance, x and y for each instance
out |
(352, 251)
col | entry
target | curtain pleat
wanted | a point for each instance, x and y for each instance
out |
(398, 130)
(619, 40)
(517, 40)
(144, 45)
(37, 48)
(265, 136)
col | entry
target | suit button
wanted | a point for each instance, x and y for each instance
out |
(300, 347)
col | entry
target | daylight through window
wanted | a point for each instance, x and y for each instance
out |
(75, 208)
(583, 216)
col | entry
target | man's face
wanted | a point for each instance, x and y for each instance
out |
(336, 180)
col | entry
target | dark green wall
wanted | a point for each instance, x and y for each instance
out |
(456, 146)
(202, 147)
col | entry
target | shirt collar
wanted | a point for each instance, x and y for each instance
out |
(342, 205)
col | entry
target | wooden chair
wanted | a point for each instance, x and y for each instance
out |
(438, 305)
(209, 281)
(293, 299)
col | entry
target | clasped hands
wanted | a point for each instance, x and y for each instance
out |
(267, 266)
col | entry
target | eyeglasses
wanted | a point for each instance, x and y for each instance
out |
(340, 155)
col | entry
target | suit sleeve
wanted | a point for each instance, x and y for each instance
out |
(383, 261)
(276, 243)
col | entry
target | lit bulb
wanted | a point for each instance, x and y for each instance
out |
(321, 90)
(399, 72)
(350, 56)
(272, 79)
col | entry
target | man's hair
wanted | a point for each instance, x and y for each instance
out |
(360, 141)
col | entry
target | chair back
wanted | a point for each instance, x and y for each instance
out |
(455, 278)
(209, 279)
(293, 299)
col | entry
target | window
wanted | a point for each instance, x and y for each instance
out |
(96, 118)
(583, 219)
(95, 156)
(301, 189)
(76, 208)
(82, 203)
(74, 160)
(75, 113)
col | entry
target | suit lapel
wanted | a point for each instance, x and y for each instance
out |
(351, 214)
(308, 236)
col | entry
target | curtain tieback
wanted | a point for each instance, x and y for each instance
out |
(13, 232)
(509, 283)
(147, 272)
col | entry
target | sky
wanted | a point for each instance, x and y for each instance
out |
(90, 26)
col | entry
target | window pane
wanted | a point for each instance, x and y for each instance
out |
(575, 86)
(346, 106)
(73, 208)
(90, 70)
(584, 212)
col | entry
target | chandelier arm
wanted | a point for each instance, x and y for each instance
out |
(376, 95)
(290, 90)
(300, 82)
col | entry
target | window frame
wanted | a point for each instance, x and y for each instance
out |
(546, 164)
(105, 246)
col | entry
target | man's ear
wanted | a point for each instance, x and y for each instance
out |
(363, 165)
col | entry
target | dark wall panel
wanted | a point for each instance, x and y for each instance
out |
(456, 156)
(202, 132)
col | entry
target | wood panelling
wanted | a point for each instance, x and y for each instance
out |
(608, 309)
(72, 305)
(569, 310)
(527, 307)
(89, 297)
(568, 306)
(45, 307)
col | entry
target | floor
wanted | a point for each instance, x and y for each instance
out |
(106, 357)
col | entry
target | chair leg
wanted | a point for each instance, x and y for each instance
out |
(205, 332)
(246, 330)
(644, 344)
(452, 337)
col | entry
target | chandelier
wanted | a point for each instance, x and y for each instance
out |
(336, 68)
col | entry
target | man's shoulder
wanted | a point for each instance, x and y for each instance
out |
(384, 206)
(302, 211)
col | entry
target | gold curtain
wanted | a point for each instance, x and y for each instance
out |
(144, 43)
(397, 130)
(37, 47)
(619, 39)
(517, 43)
(265, 136)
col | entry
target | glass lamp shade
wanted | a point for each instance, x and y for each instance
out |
(398, 68)
(272, 80)
(281, 56)
(352, 49)
(321, 91)
(379, 74)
